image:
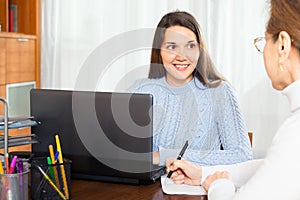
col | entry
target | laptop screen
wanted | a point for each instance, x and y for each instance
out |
(105, 134)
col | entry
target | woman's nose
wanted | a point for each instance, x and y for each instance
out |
(180, 54)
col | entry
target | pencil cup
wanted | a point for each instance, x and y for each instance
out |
(47, 181)
(14, 186)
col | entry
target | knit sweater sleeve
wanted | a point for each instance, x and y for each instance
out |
(232, 134)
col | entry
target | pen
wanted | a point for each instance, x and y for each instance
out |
(20, 170)
(51, 183)
(13, 164)
(179, 157)
(1, 169)
(2, 172)
(7, 163)
(62, 167)
(51, 151)
(20, 166)
(51, 169)
(53, 161)
(56, 156)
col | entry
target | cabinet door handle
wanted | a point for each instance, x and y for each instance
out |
(22, 39)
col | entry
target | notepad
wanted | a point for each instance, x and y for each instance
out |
(171, 188)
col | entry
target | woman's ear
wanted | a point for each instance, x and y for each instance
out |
(284, 45)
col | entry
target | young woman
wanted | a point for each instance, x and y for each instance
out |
(191, 100)
(278, 175)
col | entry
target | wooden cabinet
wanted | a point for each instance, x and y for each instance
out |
(19, 49)
(20, 59)
(20, 35)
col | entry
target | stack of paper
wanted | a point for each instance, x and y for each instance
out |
(169, 187)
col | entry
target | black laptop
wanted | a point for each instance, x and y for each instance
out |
(107, 135)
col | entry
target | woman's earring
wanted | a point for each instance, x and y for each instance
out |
(281, 68)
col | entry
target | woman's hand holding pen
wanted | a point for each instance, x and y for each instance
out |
(184, 172)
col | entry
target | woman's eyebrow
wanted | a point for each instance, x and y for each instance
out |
(169, 42)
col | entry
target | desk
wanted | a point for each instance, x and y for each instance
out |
(91, 190)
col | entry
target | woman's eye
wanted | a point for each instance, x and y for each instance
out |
(171, 47)
(191, 46)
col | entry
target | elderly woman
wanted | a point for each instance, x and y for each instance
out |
(277, 176)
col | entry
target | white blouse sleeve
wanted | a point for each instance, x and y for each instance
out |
(240, 172)
(221, 189)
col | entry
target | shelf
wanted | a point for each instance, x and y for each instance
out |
(16, 35)
(19, 123)
(19, 140)
(9, 141)
(19, 16)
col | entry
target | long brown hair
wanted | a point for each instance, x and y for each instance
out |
(205, 70)
(285, 16)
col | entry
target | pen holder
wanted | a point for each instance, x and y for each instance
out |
(14, 186)
(41, 187)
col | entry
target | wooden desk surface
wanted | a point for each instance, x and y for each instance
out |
(83, 189)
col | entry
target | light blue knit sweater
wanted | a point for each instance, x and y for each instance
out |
(206, 117)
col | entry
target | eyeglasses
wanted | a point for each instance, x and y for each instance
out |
(260, 43)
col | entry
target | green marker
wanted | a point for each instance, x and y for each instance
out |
(51, 169)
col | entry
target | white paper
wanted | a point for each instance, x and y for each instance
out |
(169, 187)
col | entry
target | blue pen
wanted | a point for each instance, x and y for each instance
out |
(56, 156)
